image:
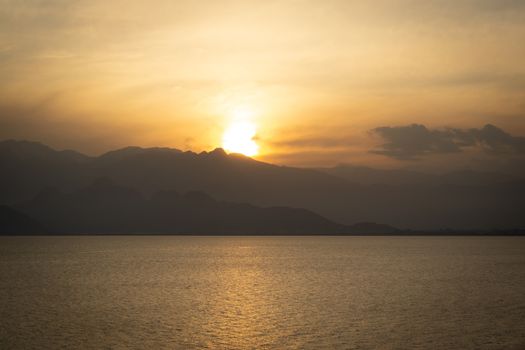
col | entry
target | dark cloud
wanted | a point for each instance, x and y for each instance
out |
(408, 142)
(413, 141)
(495, 140)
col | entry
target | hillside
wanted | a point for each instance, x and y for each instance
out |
(462, 200)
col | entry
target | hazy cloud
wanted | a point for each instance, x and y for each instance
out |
(495, 140)
(324, 142)
(416, 140)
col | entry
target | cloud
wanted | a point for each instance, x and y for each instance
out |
(413, 141)
(408, 142)
(308, 142)
(495, 140)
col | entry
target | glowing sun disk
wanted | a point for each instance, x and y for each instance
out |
(239, 138)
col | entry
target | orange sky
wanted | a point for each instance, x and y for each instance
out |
(315, 76)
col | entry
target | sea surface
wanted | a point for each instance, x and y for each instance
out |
(163, 292)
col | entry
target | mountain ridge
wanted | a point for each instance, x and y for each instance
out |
(104, 207)
(236, 178)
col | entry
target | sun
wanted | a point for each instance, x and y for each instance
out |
(239, 137)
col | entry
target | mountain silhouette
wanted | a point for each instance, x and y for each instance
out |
(463, 200)
(104, 207)
(394, 177)
(15, 222)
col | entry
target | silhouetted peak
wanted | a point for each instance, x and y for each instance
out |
(242, 156)
(132, 151)
(36, 150)
(124, 151)
(216, 153)
(219, 152)
(21, 143)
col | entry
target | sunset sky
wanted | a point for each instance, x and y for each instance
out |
(321, 82)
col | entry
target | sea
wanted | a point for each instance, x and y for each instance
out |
(315, 292)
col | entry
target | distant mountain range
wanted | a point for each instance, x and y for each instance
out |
(106, 208)
(15, 222)
(344, 194)
(400, 177)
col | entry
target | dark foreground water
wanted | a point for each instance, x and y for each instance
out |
(262, 292)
